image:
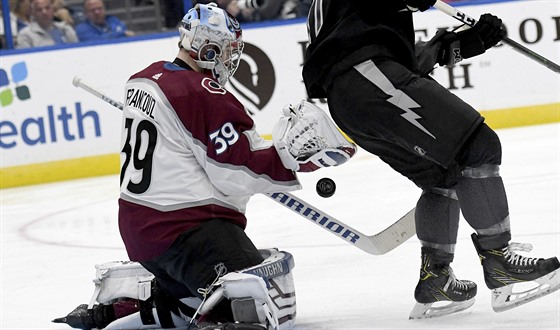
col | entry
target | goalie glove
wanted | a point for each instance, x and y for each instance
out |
(306, 139)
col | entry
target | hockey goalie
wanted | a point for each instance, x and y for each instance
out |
(261, 297)
(191, 158)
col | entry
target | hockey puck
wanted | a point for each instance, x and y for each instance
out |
(326, 187)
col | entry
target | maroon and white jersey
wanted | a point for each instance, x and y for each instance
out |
(190, 153)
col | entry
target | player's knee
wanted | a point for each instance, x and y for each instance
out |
(447, 193)
(483, 147)
(482, 154)
(436, 176)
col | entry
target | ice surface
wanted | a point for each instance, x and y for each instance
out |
(52, 235)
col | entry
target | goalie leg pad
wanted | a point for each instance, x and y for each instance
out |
(126, 279)
(276, 270)
(263, 294)
(121, 279)
(250, 300)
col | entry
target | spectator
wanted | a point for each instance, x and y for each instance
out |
(62, 13)
(43, 30)
(99, 25)
(263, 10)
(22, 11)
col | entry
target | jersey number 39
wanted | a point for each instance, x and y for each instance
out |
(141, 157)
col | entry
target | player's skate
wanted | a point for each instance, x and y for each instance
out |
(83, 318)
(504, 270)
(438, 292)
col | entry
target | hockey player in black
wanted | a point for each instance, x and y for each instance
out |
(362, 57)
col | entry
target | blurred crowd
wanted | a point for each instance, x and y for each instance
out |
(262, 10)
(36, 23)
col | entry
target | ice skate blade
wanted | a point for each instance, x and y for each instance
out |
(504, 299)
(428, 311)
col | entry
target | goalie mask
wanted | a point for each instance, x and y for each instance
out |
(213, 39)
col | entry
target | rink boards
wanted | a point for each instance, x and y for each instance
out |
(50, 130)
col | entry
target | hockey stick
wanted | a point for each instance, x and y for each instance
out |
(464, 18)
(377, 244)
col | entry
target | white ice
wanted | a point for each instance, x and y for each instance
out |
(52, 235)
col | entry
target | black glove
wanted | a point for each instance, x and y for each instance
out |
(443, 49)
(486, 33)
(489, 29)
(421, 5)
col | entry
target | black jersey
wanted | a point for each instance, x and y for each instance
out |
(343, 33)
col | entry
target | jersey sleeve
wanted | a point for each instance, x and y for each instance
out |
(237, 160)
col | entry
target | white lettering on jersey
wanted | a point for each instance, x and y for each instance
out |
(224, 137)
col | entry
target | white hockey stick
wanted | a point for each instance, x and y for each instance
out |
(464, 18)
(376, 244)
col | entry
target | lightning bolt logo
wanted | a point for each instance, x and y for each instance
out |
(397, 97)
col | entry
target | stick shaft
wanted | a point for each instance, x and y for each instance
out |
(464, 18)
(377, 244)
(77, 81)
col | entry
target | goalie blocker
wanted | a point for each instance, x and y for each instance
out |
(262, 297)
(307, 139)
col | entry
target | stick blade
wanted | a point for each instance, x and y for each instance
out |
(393, 236)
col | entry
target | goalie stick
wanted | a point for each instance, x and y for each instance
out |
(464, 18)
(376, 244)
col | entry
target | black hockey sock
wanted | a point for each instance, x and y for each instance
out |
(489, 242)
(483, 201)
(437, 218)
(436, 258)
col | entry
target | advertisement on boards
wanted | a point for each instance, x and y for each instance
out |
(44, 119)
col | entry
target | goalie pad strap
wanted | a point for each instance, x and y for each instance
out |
(146, 313)
(166, 304)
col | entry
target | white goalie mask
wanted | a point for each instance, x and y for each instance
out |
(213, 39)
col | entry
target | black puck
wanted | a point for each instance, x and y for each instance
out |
(326, 187)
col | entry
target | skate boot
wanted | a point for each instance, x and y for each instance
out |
(504, 269)
(83, 318)
(438, 292)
